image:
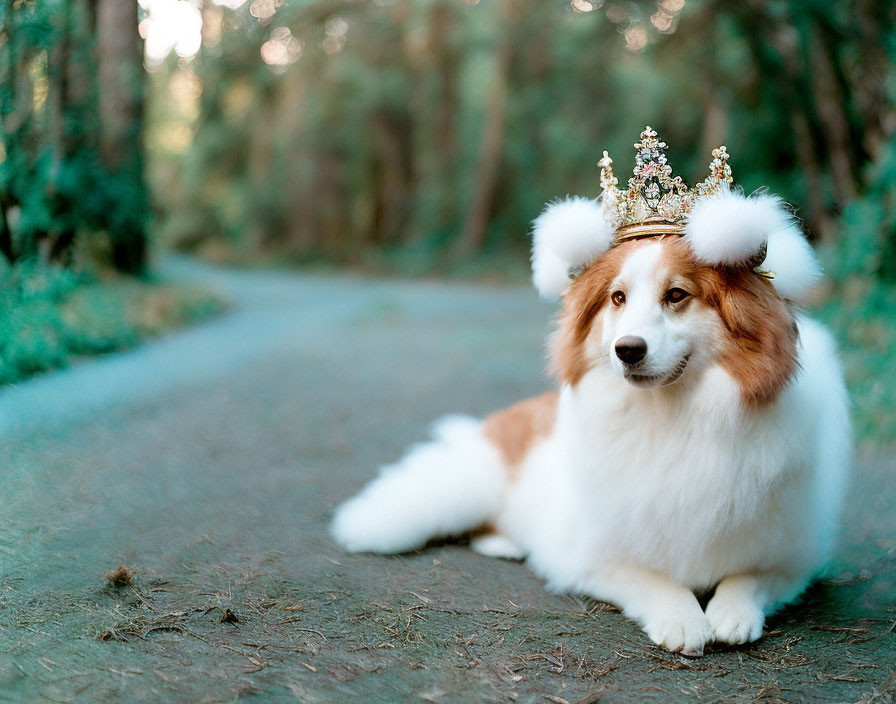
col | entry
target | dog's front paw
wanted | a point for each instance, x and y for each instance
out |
(735, 621)
(686, 633)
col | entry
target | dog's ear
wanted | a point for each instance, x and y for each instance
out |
(759, 349)
(732, 230)
(567, 236)
(569, 361)
(586, 297)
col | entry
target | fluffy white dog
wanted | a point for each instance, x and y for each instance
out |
(699, 440)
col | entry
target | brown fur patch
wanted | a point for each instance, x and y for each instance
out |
(586, 296)
(515, 429)
(758, 349)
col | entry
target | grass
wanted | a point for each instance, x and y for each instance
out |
(50, 316)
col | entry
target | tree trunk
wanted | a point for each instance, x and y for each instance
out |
(263, 229)
(301, 235)
(830, 106)
(715, 116)
(445, 66)
(492, 146)
(765, 33)
(392, 183)
(120, 84)
(822, 223)
(7, 101)
(6, 248)
(120, 77)
(63, 235)
(869, 77)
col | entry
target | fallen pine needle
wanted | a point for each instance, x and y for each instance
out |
(555, 699)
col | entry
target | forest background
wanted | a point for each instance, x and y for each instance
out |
(418, 138)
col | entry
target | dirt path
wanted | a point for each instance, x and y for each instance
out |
(209, 463)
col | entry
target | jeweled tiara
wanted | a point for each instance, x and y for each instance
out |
(656, 202)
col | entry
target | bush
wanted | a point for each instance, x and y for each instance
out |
(50, 315)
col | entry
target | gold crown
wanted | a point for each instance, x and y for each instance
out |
(656, 203)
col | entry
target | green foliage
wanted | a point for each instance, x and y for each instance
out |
(867, 246)
(50, 315)
(861, 307)
(31, 329)
(861, 314)
(376, 136)
(62, 184)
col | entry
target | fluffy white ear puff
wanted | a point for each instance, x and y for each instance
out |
(793, 260)
(569, 234)
(729, 229)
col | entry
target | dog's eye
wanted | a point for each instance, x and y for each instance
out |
(618, 298)
(676, 295)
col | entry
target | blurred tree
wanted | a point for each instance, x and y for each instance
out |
(119, 59)
(61, 177)
(494, 130)
(433, 130)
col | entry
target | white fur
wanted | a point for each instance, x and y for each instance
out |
(497, 545)
(792, 259)
(569, 233)
(645, 496)
(440, 488)
(729, 228)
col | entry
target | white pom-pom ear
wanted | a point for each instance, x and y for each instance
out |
(550, 273)
(792, 259)
(729, 229)
(569, 234)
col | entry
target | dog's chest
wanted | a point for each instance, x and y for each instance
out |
(682, 497)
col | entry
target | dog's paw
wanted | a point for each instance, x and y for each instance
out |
(496, 545)
(735, 621)
(686, 634)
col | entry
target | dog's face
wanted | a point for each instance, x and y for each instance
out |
(656, 321)
(647, 312)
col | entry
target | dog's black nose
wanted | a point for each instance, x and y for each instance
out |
(631, 349)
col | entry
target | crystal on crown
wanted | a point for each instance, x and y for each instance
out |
(656, 202)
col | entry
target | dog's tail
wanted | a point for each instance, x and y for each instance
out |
(445, 487)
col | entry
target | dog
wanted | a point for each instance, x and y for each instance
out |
(699, 442)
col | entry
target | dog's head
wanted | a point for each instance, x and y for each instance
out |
(654, 311)
(648, 312)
